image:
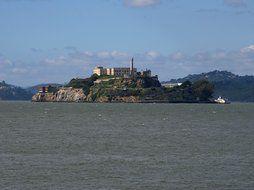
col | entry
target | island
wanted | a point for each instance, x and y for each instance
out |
(126, 85)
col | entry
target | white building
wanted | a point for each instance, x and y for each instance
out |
(171, 85)
(117, 71)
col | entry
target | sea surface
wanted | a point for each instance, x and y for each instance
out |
(126, 146)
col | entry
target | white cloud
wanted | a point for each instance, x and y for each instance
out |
(153, 54)
(61, 60)
(248, 49)
(219, 54)
(104, 54)
(65, 61)
(177, 56)
(101, 55)
(111, 54)
(88, 53)
(119, 54)
(19, 71)
(141, 3)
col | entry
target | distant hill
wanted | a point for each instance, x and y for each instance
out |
(34, 89)
(10, 92)
(213, 76)
(234, 87)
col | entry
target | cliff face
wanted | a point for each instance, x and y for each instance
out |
(70, 94)
(67, 94)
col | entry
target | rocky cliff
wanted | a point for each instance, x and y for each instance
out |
(69, 94)
(64, 94)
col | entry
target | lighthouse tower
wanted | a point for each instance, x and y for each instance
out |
(132, 67)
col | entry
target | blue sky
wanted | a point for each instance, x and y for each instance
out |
(55, 40)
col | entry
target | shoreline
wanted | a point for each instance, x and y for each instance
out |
(139, 102)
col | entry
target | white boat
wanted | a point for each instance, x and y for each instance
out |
(221, 100)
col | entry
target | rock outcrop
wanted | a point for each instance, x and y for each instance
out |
(118, 99)
(126, 99)
(65, 94)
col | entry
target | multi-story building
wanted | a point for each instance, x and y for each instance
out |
(118, 72)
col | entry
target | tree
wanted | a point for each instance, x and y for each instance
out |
(203, 90)
(186, 84)
(85, 84)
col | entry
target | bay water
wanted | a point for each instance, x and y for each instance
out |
(126, 146)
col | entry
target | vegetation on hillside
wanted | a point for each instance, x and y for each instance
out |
(226, 84)
(240, 89)
(144, 88)
(85, 84)
(198, 91)
(213, 76)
